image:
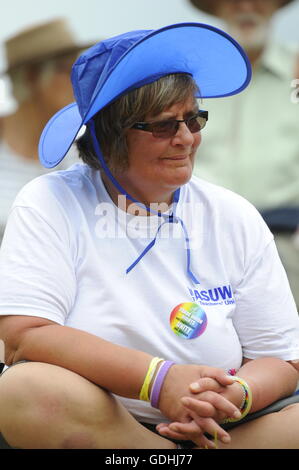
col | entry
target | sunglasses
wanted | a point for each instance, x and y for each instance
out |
(169, 127)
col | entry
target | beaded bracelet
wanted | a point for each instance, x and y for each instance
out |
(158, 382)
(144, 395)
(247, 400)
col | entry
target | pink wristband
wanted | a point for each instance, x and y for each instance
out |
(157, 385)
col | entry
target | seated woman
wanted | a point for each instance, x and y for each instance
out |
(142, 307)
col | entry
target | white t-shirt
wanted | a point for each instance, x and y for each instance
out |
(67, 248)
(15, 172)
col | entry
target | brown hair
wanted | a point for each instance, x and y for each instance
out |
(113, 121)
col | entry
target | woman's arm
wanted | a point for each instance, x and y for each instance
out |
(119, 369)
(270, 379)
(104, 363)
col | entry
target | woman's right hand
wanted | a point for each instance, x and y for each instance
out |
(210, 404)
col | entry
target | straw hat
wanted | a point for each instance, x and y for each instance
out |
(209, 6)
(39, 43)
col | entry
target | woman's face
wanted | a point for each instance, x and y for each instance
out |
(158, 166)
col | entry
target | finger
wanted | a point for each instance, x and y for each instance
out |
(181, 431)
(185, 428)
(192, 431)
(170, 431)
(222, 404)
(219, 377)
(165, 426)
(218, 374)
(162, 427)
(186, 419)
(171, 434)
(204, 384)
(210, 426)
(219, 403)
(201, 407)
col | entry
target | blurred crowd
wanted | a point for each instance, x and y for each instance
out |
(39, 61)
(251, 142)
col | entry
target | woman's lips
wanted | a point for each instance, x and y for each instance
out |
(177, 157)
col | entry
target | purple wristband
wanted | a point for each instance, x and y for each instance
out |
(157, 385)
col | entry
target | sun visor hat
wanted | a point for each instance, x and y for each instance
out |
(117, 65)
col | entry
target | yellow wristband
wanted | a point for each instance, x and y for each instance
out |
(144, 395)
(247, 402)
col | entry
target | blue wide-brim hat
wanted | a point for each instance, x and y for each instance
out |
(117, 65)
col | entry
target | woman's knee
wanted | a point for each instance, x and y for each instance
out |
(47, 406)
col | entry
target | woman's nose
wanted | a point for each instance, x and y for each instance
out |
(183, 135)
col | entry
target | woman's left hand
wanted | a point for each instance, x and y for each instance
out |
(203, 389)
(208, 397)
(195, 430)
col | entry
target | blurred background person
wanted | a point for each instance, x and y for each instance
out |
(252, 144)
(39, 61)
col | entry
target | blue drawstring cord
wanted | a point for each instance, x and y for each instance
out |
(149, 246)
(188, 251)
(170, 218)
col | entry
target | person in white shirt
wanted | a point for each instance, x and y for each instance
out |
(129, 283)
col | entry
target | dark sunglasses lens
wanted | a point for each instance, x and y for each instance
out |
(196, 123)
(164, 128)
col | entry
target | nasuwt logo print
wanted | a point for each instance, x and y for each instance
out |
(216, 296)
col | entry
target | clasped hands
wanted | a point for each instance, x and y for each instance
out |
(196, 399)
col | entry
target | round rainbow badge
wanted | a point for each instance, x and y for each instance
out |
(188, 320)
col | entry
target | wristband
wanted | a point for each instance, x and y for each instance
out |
(158, 382)
(143, 395)
(247, 400)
